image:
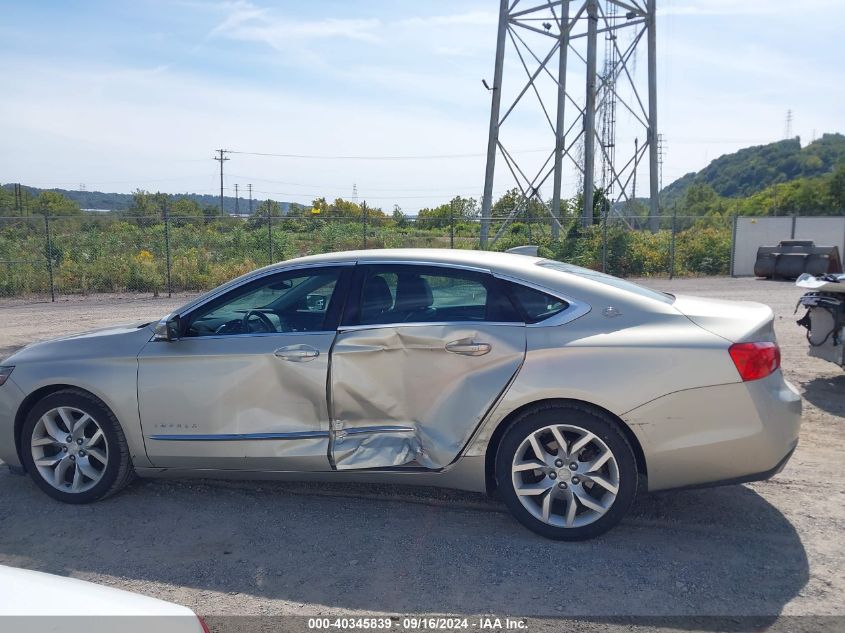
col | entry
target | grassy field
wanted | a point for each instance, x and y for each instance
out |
(113, 254)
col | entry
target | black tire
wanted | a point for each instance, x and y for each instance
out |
(118, 472)
(595, 421)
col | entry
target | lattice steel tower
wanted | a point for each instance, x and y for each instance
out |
(586, 112)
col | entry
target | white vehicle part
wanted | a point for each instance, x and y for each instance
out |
(37, 602)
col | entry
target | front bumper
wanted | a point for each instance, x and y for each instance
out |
(715, 435)
(11, 398)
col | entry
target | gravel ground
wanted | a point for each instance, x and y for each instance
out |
(764, 549)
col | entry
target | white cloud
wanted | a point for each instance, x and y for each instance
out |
(157, 130)
(246, 22)
(471, 18)
(746, 7)
(397, 85)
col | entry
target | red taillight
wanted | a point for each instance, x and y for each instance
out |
(755, 360)
(203, 625)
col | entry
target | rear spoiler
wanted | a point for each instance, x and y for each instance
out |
(531, 251)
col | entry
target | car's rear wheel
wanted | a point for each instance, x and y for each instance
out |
(566, 471)
(74, 449)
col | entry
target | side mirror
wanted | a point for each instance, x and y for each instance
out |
(168, 329)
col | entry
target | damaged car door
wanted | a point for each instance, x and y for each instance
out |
(423, 354)
(242, 384)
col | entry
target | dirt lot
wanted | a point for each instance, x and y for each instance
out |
(762, 549)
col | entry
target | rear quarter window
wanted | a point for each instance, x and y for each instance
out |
(535, 305)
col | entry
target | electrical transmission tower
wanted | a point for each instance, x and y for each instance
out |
(788, 131)
(582, 117)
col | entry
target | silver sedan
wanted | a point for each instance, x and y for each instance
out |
(564, 389)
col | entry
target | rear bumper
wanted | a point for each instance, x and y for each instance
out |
(716, 435)
(11, 398)
(744, 479)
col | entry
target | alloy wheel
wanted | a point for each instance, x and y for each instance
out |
(565, 476)
(69, 449)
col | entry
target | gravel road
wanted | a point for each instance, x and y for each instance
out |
(764, 549)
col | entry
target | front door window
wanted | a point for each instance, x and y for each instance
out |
(287, 302)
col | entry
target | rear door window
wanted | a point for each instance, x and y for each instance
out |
(392, 294)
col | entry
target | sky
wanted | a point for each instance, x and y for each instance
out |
(118, 95)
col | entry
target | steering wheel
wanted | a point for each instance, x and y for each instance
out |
(263, 318)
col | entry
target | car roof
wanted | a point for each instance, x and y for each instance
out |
(511, 265)
(480, 259)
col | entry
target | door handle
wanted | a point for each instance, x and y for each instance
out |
(297, 353)
(468, 348)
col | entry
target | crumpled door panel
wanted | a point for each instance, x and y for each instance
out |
(413, 395)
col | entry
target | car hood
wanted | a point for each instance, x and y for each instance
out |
(735, 321)
(32, 593)
(111, 341)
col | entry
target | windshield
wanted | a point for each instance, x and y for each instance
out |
(610, 280)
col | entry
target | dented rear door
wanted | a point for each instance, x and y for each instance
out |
(412, 394)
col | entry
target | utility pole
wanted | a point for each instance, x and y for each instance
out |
(221, 157)
(452, 224)
(365, 216)
(18, 199)
(237, 202)
(250, 198)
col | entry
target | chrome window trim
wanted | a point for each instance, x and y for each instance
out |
(239, 437)
(391, 262)
(378, 326)
(296, 435)
(260, 274)
(421, 262)
(361, 430)
(576, 308)
(217, 337)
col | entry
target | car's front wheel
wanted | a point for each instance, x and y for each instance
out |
(74, 449)
(566, 471)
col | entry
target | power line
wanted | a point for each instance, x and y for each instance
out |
(323, 186)
(407, 157)
(306, 195)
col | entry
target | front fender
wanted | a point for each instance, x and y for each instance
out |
(112, 380)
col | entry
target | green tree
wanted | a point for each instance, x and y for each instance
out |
(462, 209)
(836, 188)
(185, 208)
(146, 208)
(53, 203)
(267, 208)
(399, 217)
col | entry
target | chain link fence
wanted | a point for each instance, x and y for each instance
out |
(43, 255)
